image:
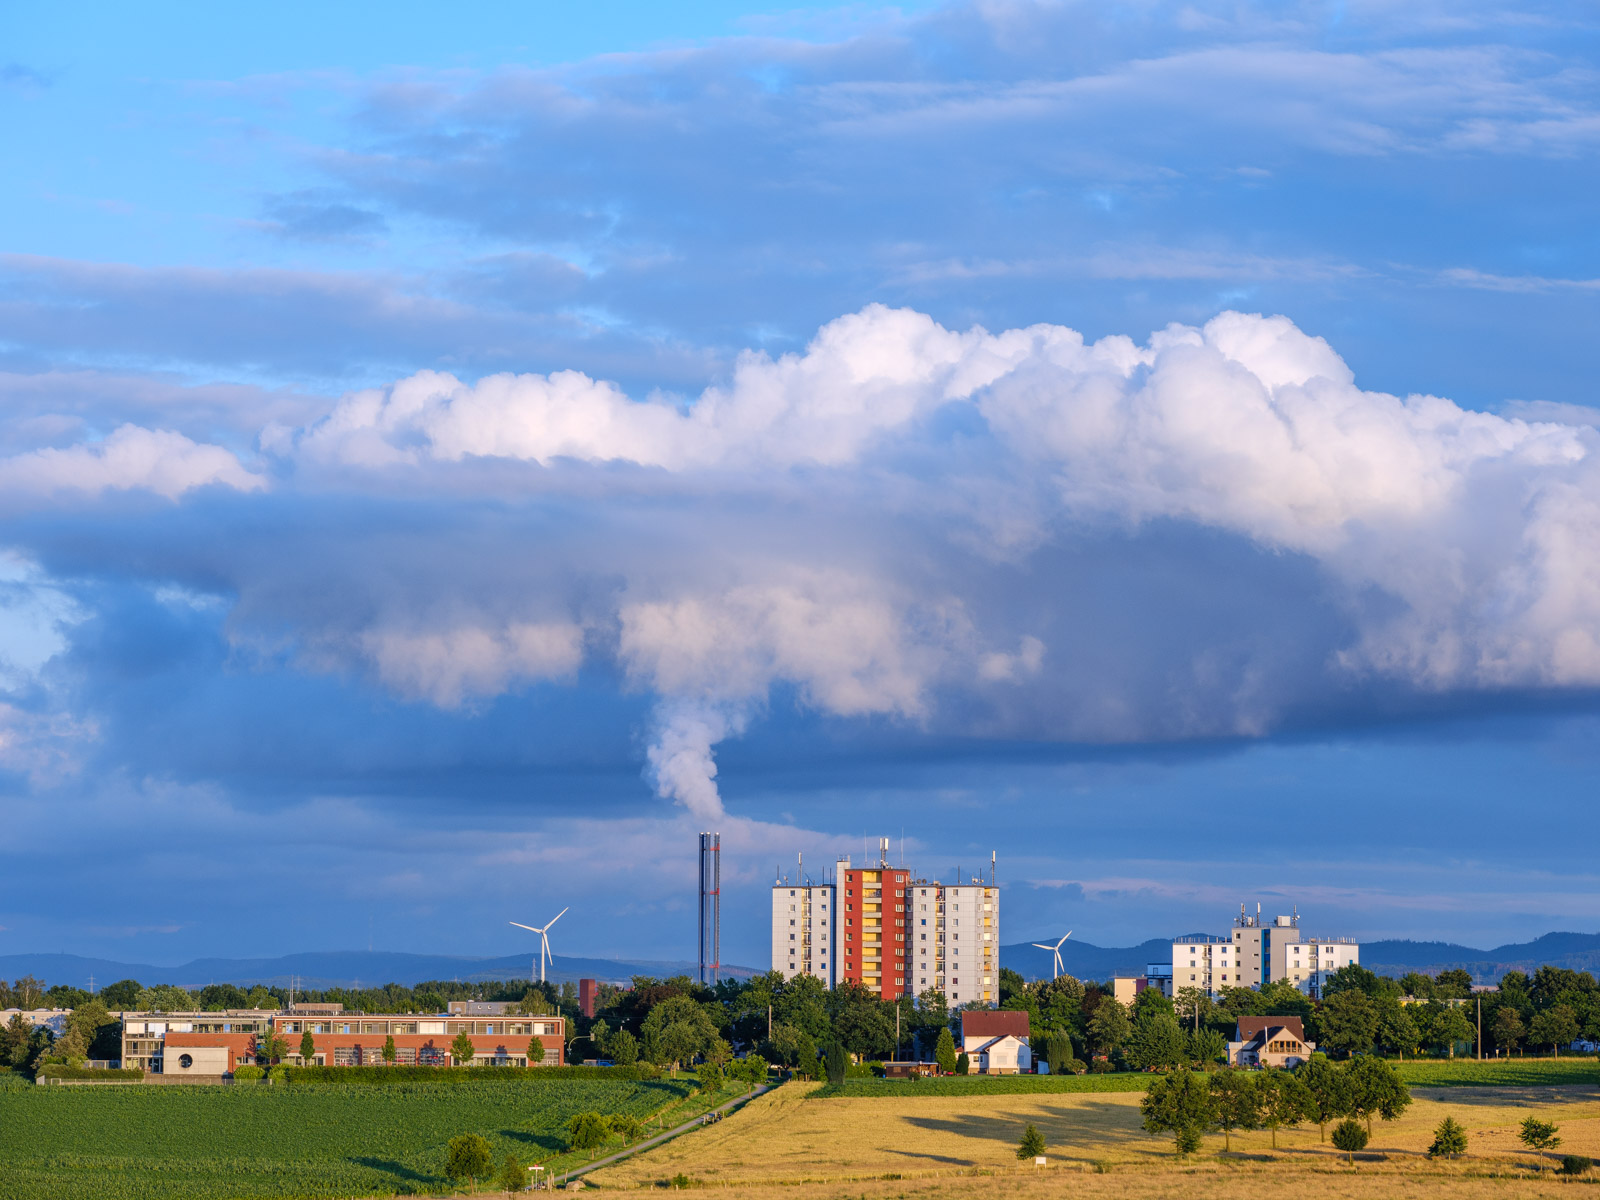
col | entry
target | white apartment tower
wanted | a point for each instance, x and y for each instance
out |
(955, 940)
(803, 929)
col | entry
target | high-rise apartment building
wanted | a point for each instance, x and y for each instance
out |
(803, 934)
(890, 931)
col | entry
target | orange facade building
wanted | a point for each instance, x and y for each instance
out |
(872, 929)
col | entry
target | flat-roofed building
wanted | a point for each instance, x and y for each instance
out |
(215, 1043)
(1258, 951)
(804, 934)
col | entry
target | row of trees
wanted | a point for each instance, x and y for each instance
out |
(1189, 1104)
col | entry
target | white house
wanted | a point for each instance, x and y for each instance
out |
(996, 1041)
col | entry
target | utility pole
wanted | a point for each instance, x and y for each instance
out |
(1480, 1028)
(896, 1032)
(769, 1019)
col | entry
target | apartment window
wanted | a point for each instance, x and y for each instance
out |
(791, 938)
(924, 919)
(924, 937)
(791, 920)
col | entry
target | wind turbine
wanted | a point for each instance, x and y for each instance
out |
(1056, 950)
(544, 940)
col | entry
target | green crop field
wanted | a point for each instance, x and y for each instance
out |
(1505, 1072)
(982, 1085)
(148, 1142)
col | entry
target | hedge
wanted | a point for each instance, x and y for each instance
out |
(412, 1074)
(102, 1075)
(982, 1085)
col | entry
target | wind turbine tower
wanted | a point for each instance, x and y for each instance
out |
(544, 941)
(1056, 950)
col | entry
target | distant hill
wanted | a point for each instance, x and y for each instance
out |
(1573, 951)
(336, 968)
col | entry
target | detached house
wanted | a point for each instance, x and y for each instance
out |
(1269, 1042)
(996, 1042)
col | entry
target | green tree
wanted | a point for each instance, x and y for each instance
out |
(963, 1063)
(1376, 1090)
(624, 1048)
(588, 1131)
(122, 995)
(1238, 1103)
(1032, 1143)
(1156, 1041)
(1207, 1047)
(624, 1125)
(1539, 1135)
(1109, 1027)
(1285, 1100)
(1180, 1104)
(468, 1157)
(1455, 985)
(1396, 1030)
(678, 1030)
(308, 1049)
(1056, 1051)
(1348, 1021)
(512, 1177)
(709, 1078)
(389, 1052)
(1445, 1025)
(837, 1062)
(1449, 1140)
(1328, 1088)
(944, 1052)
(1555, 1027)
(271, 1046)
(1350, 1136)
(462, 1049)
(1507, 1028)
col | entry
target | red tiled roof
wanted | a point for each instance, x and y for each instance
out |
(994, 1023)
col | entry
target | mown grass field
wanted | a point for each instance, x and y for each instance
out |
(786, 1144)
(148, 1142)
(982, 1085)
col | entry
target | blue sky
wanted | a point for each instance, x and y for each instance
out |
(448, 460)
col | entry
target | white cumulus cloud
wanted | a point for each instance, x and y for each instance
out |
(132, 457)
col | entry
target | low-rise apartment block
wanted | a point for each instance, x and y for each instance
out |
(209, 1045)
(1256, 952)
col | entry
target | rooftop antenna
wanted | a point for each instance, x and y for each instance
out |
(544, 941)
(994, 858)
(1056, 950)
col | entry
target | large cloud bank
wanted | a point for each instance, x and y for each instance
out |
(1212, 533)
(892, 524)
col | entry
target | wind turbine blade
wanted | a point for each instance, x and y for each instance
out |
(1042, 946)
(557, 917)
(520, 925)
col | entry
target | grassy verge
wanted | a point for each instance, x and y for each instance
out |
(1506, 1072)
(983, 1085)
(667, 1117)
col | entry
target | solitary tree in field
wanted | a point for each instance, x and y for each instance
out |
(1238, 1103)
(308, 1048)
(1180, 1104)
(944, 1052)
(462, 1049)
(1449, 1140)
(468, 1157)
(1032, 1143)
(1350, 1135)
(1539, 1135)
(389, 1052)
(512, 1177)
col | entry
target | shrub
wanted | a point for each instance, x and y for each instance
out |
(278, 1074)
(512, 1177)
(1350, 1135)
(838, 1063)
(588, 1131)
(417, 1074)
(1073, 1066)
(1574, 1164)
(963, 1063)
(468, 1157)
(248, 1073)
